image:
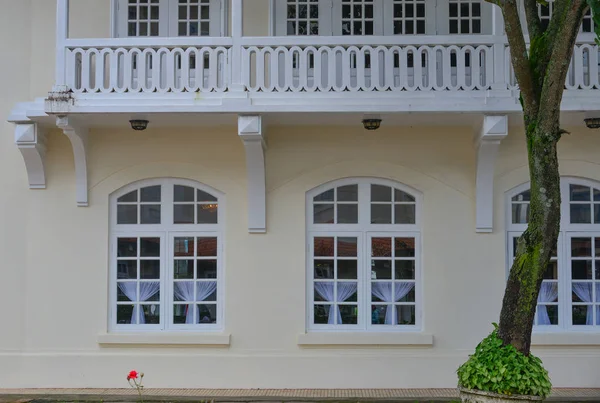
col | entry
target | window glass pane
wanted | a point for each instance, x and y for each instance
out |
(207, 247)
(207, 268)
(381, 270)
(150, 269)
(324, 246)
(581, 214)
(347, 193)
(150, 214)
(183, 269)
(125, 314)
(581, 247)
(127, 214)
(523, 196)
(205, 197)
(404, 214)
(207, 313)
(347, 270)
(183, 193)
(349, 314)
(347, 247)
(151, 194)
(579, 193)
(405, 269)
(326, 196)
(129, 197)
(150, 247)
(183, 214)
(151, 314)
(379, 314)
(404, 247)
(324, 269)
(347, 213)
(405, 314)
(321, 314)
(126, 269)
(323, 213)
(381, 247)
(520, 213)
(381, 193)
(381, 213)
(127, 247)
(208, 214)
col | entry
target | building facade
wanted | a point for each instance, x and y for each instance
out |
(255, 235)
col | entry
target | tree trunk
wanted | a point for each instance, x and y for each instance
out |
(539, 240)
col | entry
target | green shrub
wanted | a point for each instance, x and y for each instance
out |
(504, 370)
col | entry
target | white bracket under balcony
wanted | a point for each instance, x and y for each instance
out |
(250, 130)
(78, 135)
(30, 139)
(494, 129)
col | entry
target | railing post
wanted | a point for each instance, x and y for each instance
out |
(62, 33)
(237, 31)
(499, 82)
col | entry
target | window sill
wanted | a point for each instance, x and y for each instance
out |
(365, 339)
(177, 339)
(565, 339)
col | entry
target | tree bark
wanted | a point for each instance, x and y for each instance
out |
(541, 74)
(536, 244)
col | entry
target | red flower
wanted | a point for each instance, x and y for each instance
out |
(132, 375)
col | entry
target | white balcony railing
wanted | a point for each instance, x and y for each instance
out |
(141, 66)
(420, 64)
(292, 65)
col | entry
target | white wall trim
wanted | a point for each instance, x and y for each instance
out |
(493, 130)
(250, 130)
(30, 140)
(365, 339)
(195, 339)
(78, 135)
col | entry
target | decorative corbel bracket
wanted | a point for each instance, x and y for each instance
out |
(78, 135)
(493, 130)
(250, 130)
(31, 141)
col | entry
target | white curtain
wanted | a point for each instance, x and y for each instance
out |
(383, 291)
(184, 291)
(147, 291)
(548, 293)
(345, 291)
(584, 292)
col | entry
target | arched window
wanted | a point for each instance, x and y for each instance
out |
(363, 256)
(570, 293)
(166, 256)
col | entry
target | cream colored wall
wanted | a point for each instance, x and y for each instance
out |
(53, 272)
(90, 18)
(15, 70)
(63, 287)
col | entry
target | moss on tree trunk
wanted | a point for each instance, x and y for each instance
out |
(535, 246)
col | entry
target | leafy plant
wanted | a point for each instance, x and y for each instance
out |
(502, 369)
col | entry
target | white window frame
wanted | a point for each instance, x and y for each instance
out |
(363, 231)
(166, 231)
(330, 22)
(168, 21)
(567, 231)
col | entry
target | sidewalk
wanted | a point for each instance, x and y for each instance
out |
(263, 395)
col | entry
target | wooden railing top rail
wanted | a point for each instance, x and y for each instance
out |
(148, 42)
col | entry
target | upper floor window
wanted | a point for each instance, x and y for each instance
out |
(166, 257)
(364, 256)
(570, 293)
(545, 13)
(464, 16)
(139, 18)
(381, 17)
